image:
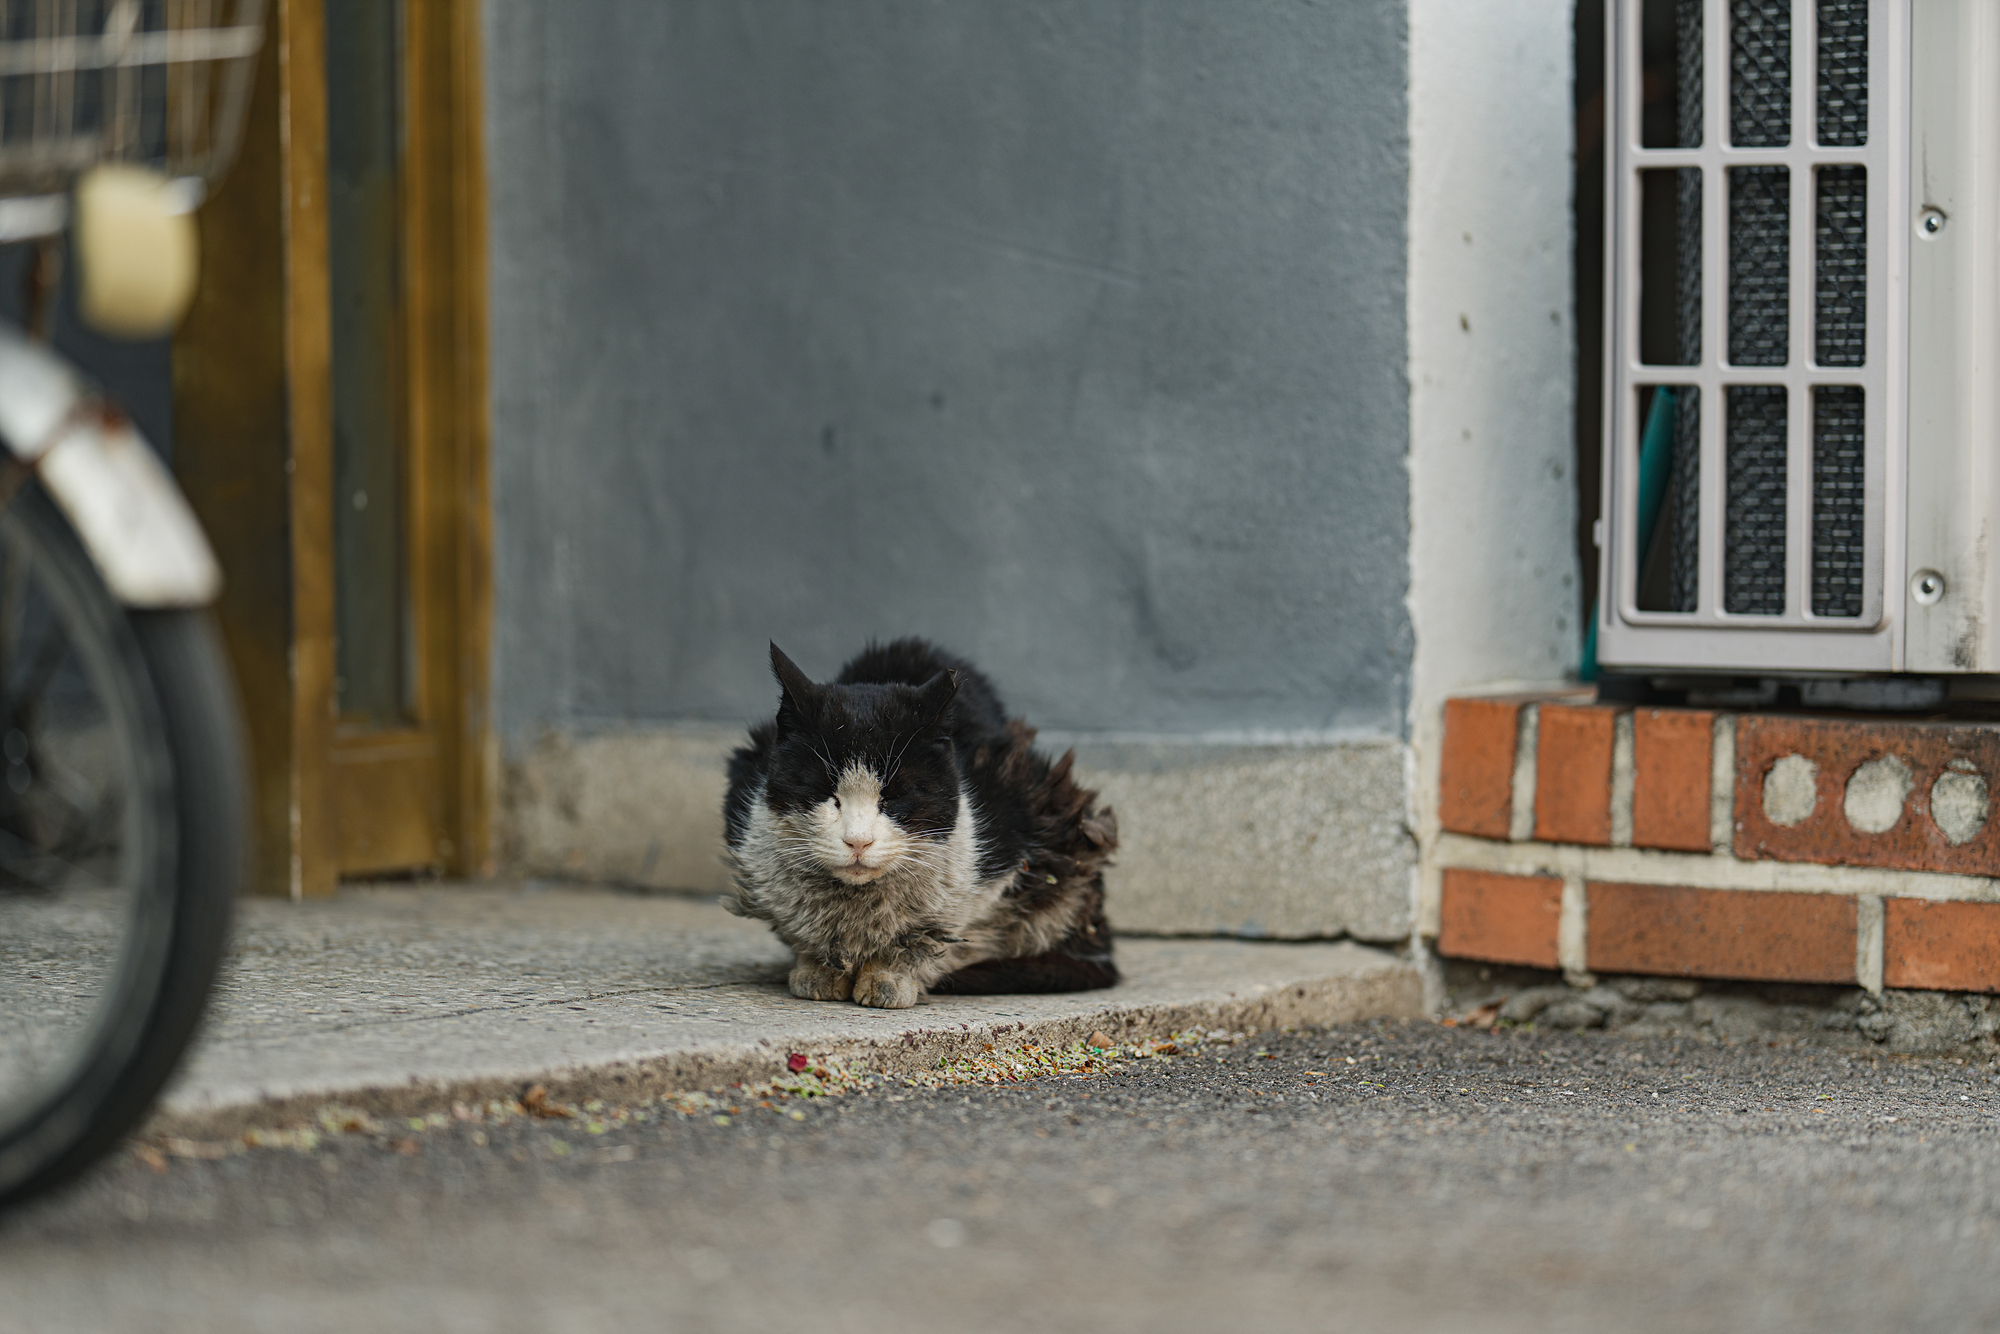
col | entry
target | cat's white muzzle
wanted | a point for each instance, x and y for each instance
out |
(858, 871)
(857, 841)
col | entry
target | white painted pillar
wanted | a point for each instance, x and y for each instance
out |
(1493, 572)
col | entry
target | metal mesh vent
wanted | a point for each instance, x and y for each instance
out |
(1840, 451)
(1760, 250)
(1684, 484)
(1687, 74)
(1687, 182)
(1684, 497)
(1840, 267)
(1753, 521)
(1760, 73)
(1843, 73)
(1687, 275)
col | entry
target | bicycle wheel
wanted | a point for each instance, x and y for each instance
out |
(121, 846)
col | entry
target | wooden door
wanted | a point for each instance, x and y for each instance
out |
(351, 237)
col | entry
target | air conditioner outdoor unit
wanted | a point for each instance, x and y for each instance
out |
(1802, 409)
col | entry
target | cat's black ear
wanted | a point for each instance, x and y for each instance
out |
(935, 695)
(799, 691)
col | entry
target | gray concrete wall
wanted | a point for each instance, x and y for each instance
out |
(1071, 335)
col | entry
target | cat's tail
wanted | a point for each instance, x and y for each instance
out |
(1032, 974)
(1080, 962)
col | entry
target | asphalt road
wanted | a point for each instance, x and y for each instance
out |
(1380, 1177)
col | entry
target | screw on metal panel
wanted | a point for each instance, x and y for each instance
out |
(1926, 586)
(1931, 221)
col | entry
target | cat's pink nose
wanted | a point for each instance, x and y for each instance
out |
(860, 845)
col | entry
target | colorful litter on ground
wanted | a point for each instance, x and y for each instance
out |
(803, 1078)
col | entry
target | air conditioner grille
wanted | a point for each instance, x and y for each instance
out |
(1760, 265)
(1843, 73)
(1687, 74)
(1760, 73)
(1840, 459)
(1683, 505)
(1749, 278)
(1753, 538)
(1684, 558)
(1840, 262)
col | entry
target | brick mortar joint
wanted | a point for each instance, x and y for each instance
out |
(1722, 784)
(1527, 742)
(1713, 870)
(1868, 942)
(1624, 778)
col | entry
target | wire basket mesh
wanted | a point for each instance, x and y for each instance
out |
(156, 83)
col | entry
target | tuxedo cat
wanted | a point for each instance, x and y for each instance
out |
(901, 834)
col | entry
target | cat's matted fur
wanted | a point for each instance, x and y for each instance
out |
(901, 834)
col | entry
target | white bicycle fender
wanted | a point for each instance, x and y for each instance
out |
(134, 522)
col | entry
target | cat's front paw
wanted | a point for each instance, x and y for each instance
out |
(815, 981)
(884, 988)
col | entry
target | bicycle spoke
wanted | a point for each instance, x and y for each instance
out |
(13, 598)
(17, 705)
(67, 894)
(26, 862)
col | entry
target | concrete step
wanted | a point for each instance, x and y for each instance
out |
(400, 1000)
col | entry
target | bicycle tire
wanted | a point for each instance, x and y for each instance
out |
(172, 665)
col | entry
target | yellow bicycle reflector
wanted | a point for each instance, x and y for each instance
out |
(136, 251)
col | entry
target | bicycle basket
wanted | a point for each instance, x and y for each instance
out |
(163, 84)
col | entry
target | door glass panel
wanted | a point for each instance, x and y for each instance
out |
(364, 150)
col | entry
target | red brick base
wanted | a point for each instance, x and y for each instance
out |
(1667, 824)
(1941, 946)
(1500, 918)
(1680, 932)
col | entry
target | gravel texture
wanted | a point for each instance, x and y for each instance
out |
(1935, 1023)
(1398, 1175)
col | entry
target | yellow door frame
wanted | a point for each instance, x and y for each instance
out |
(254, 448)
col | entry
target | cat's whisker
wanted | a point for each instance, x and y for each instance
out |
(896, 761)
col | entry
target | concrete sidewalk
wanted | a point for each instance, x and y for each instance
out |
(399, 999)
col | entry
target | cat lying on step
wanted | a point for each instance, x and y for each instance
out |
(901, 834)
